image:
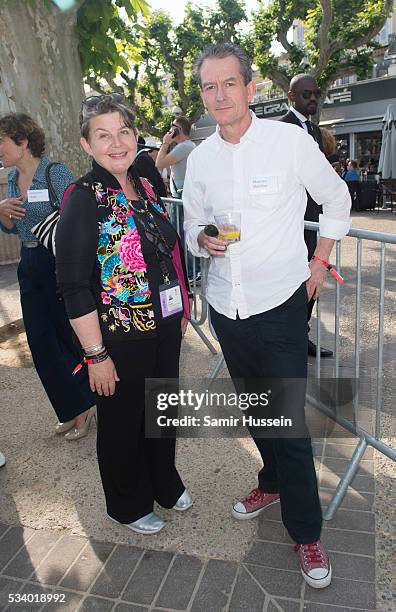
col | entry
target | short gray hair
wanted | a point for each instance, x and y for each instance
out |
(220, 51)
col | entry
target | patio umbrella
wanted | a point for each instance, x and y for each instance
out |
(387, 160)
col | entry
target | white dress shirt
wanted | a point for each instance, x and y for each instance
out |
(302, 118)
(264, 177)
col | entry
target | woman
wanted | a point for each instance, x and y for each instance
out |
(116, 253)
(351, 177)
(50, 337)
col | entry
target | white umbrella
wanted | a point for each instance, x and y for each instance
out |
(387, 160)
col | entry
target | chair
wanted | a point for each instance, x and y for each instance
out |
(389, 190)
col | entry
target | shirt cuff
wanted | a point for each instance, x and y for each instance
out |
(333, 228)
(4, 229)
(192, 242)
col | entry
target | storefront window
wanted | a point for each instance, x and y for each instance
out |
(342, 141)
(368, 147)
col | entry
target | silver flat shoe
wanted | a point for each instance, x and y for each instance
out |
(79, 432)
(61, 428)
(184, 502)
(146, 525)
(2, 459)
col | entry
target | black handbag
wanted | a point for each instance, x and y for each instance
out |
(45, 230)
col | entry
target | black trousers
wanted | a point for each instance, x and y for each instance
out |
(311, 241)
(136, 471)
(273, 344)
(50, 336)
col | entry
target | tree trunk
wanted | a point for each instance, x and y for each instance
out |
(40, 73)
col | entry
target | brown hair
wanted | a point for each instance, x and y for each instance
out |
(105, 105)
(353, 163)
(329, 142)
(184, 124)
(18, 127)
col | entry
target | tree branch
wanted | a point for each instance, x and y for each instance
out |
(337, 45)
(146, 125)
(94, 84)
(279, 78)
(323, 35)
(281, 37)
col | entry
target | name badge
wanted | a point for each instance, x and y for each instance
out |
(38, 195)
(170, 299)
(263, 184)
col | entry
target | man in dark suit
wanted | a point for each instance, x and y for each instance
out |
(303, 95)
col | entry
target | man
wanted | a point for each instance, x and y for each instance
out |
(179, 134)
(258, 287)
(303, 95)
(145, 166)
(176, 159)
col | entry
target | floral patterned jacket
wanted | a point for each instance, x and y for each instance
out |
(100, 263)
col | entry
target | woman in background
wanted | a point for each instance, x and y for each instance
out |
(50, 337)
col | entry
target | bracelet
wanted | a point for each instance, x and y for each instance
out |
(91, 350)
(96, 358)
(330, 268)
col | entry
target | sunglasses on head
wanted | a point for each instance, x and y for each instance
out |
(308, 93)
(93, 101)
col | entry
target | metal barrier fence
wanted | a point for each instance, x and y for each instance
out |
(366, 438)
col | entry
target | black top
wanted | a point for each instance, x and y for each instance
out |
(313, 210)
(105, 261)
(146, 167)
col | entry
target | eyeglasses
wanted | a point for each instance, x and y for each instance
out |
(92, 101)
(308, 93)
(158, 244)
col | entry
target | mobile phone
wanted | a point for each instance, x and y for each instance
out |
(175, 132)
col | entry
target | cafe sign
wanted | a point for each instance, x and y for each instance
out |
(366, 91)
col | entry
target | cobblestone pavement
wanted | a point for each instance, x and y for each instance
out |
(95, 576)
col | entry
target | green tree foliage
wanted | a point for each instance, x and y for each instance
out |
(339, 38)
(108, 31)
(169, 49)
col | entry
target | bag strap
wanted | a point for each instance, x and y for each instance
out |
(54, 201)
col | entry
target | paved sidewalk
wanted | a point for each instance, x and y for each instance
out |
(55, 538)
(94, 576)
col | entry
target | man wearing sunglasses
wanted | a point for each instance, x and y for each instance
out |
(304, 94)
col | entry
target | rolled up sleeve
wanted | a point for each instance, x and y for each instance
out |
(325, 187)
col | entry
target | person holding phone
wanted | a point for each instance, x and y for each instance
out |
(176, 158)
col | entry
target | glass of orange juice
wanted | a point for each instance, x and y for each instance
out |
(229, 226)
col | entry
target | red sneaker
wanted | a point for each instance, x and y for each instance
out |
(253, 504)
(315, 564)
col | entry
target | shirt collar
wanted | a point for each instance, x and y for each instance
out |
(252, 134)
(299, 115)
(39, 175)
